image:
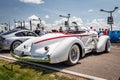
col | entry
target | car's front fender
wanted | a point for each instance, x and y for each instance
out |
(102, 43)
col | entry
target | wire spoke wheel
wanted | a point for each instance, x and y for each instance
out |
(73, 56)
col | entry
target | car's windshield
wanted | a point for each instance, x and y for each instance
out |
(76, 29)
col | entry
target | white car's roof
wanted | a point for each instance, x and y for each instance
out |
(12, 32)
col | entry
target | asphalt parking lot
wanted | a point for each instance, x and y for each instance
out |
(104, 65)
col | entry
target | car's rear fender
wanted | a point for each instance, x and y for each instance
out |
(60, 53)
(25, 47)
(38, 49)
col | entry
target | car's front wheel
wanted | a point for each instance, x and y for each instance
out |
(74, 55)
(15, 44)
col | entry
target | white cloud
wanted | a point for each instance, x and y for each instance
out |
(98, 23)
(33, 22)
(33, 17)
(56, 24)
(77, 20)
(118, 11)
(101, 23)
(47, 17)
(33, 1)
(90, 10)
(72, 19)
(95, 23)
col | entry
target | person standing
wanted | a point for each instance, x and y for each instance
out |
(99, 31)
(42, 31)
(60, 29)
(37, 31)
(105, 32)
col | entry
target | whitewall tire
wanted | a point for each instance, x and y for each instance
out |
(107, 47)
(74, 55)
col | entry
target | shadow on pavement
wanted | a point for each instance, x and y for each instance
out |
(116, 44)
(4, 51)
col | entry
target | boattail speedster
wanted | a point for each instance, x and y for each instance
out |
(62, 47)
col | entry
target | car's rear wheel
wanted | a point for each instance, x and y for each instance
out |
(15, 44)
(74, 55)
(107, 47)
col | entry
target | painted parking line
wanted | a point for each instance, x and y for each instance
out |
(57, 69)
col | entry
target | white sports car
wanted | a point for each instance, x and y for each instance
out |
(62, 47)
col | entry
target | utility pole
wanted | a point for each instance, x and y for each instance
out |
(9, 25)
(66, 22)
(40, 21)
(30, 25)
(110, 18)
(14, 23)
(23, 23)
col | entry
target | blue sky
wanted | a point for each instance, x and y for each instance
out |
(87, 10)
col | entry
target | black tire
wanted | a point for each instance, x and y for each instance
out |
(94, 51)
(15, 44)
(74, 55)
(107, 47)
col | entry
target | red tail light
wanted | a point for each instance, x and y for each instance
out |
(46, 48)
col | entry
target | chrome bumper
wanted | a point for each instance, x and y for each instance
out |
(30, 58)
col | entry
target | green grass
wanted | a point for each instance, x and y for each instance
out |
(20, 71)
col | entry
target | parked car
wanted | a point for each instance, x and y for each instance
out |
(62, 47)
(11, 39)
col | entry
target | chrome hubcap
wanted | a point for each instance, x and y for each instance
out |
(73, 54)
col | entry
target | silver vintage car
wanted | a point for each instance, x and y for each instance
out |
(11, 39)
